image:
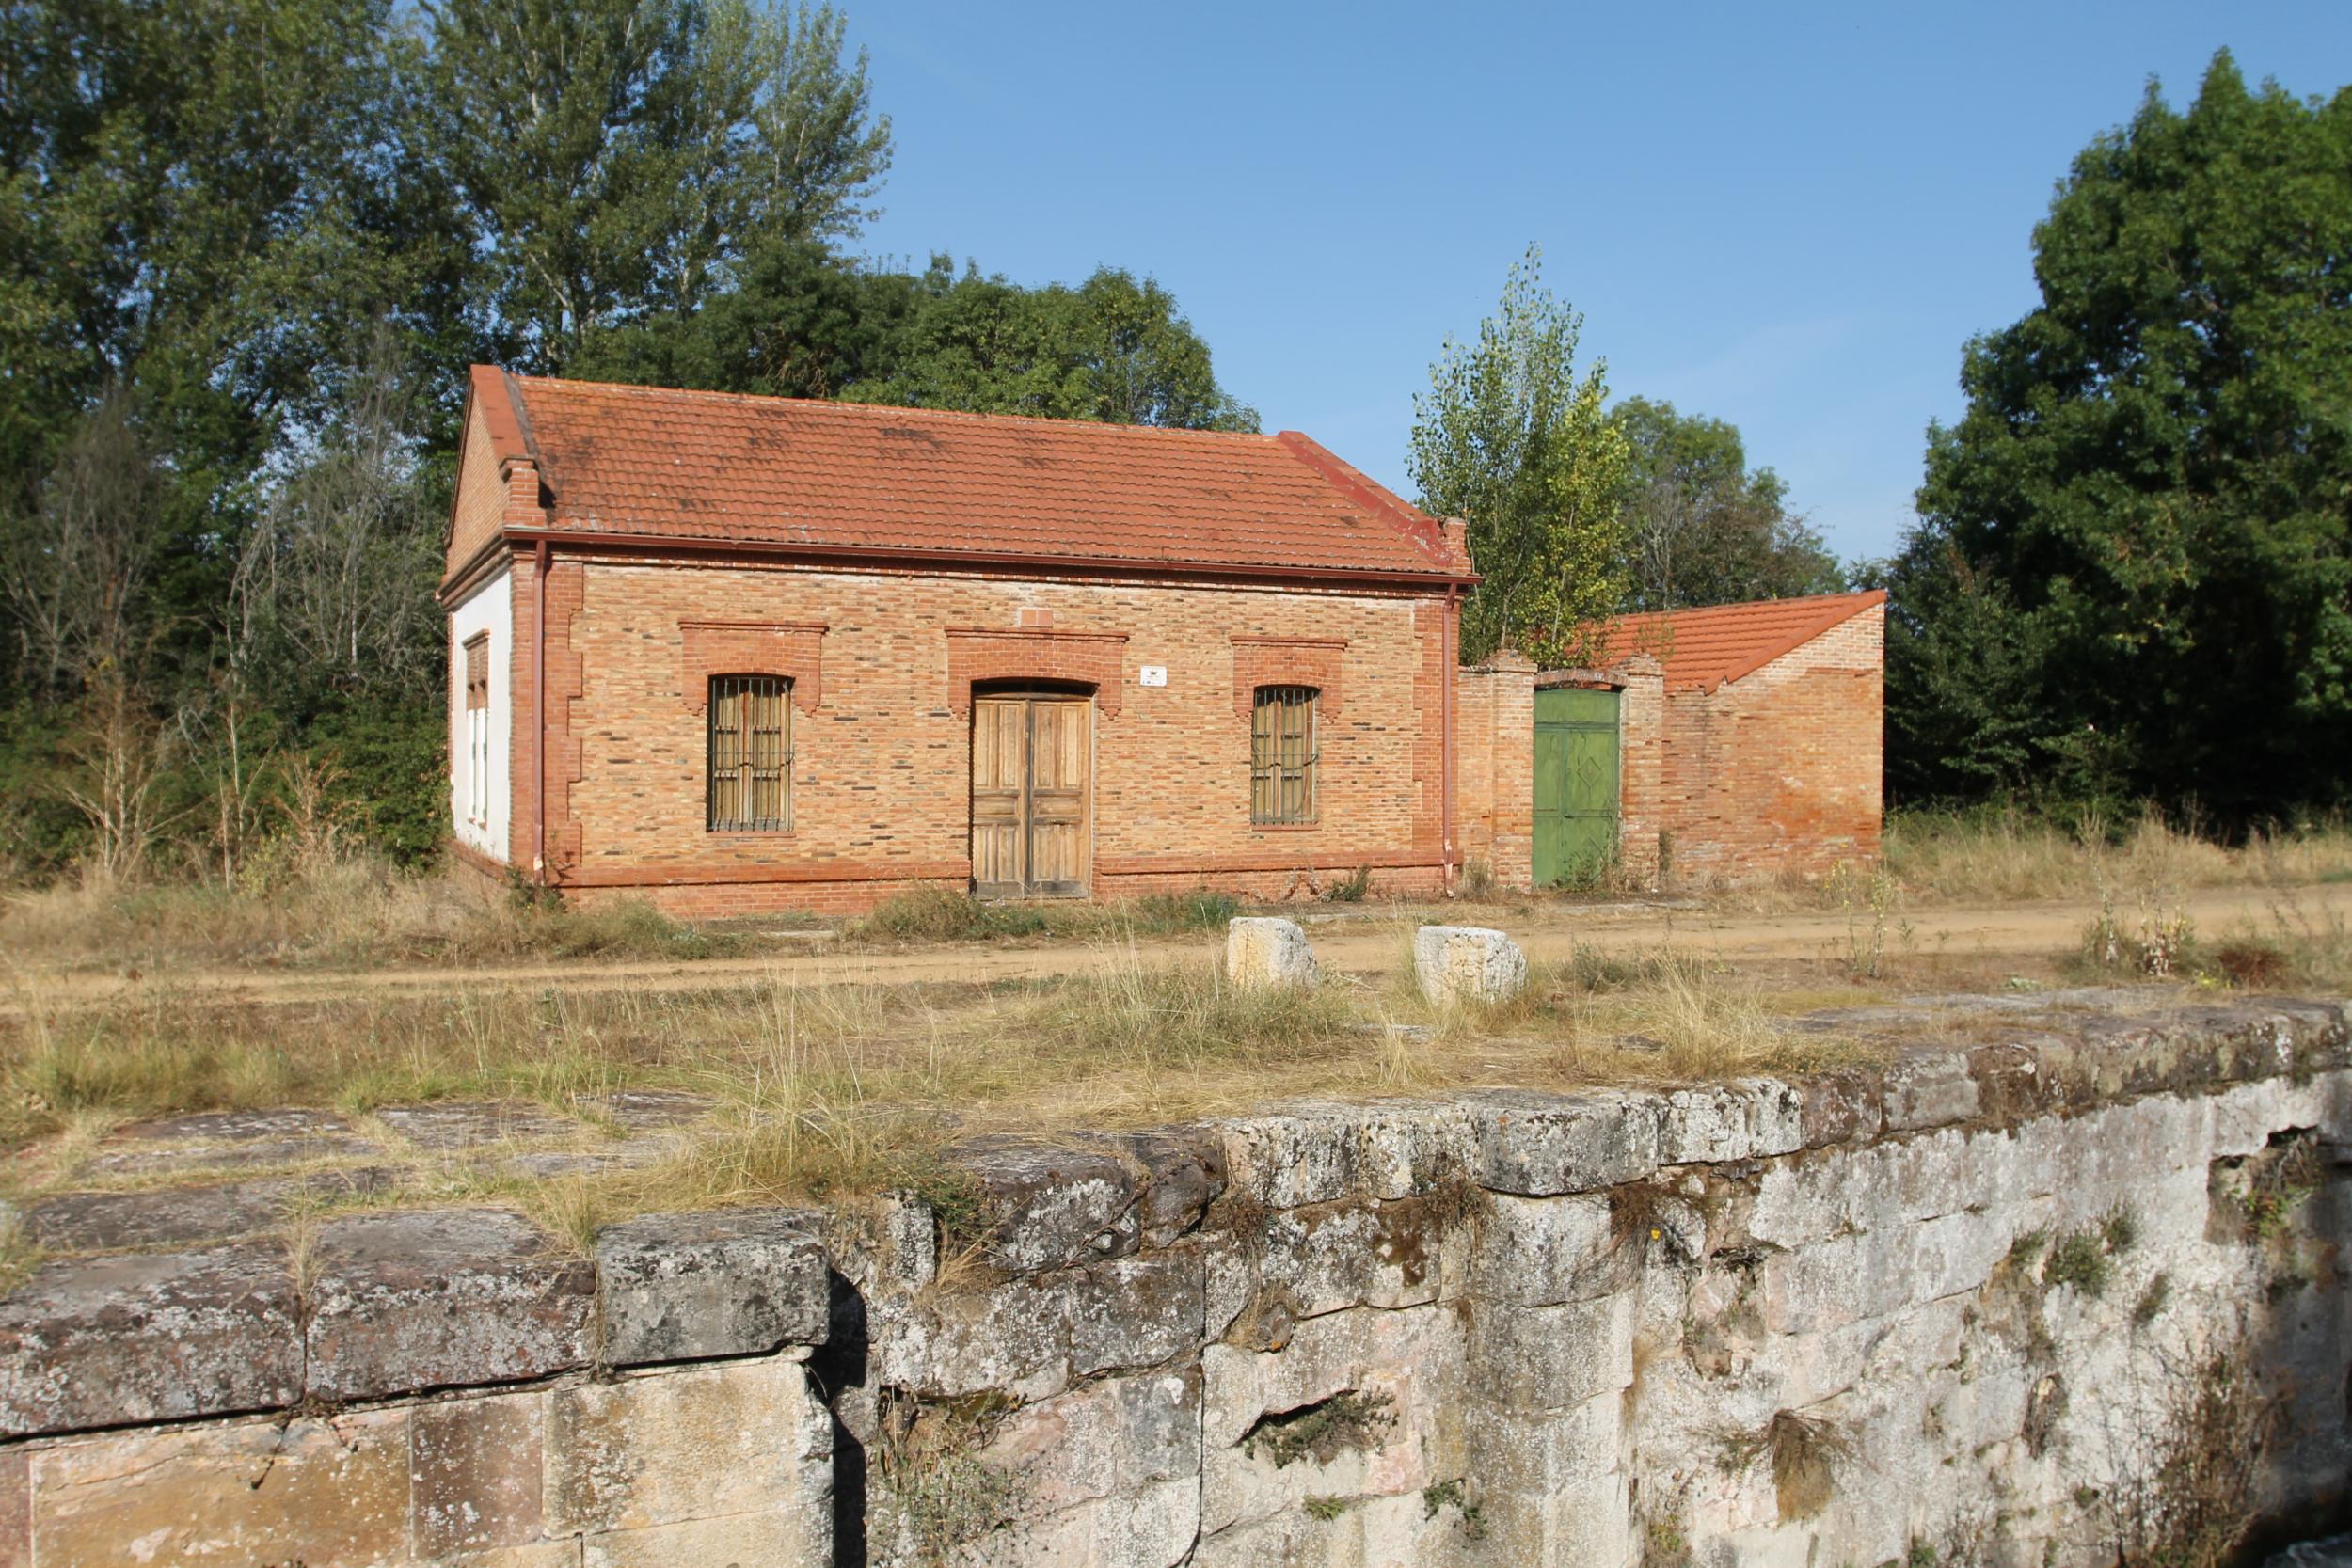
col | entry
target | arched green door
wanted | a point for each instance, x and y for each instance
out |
(1576, 784)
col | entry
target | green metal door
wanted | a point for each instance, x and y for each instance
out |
(1576, 784)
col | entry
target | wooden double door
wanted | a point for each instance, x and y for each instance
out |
(1032, 794)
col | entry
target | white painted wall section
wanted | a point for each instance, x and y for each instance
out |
(481, 766)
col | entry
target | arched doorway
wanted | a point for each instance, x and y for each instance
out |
(1032, 790)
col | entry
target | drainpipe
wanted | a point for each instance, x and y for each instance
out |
(539, 711)
(1448, 661)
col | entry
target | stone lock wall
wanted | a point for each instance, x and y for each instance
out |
(1976, 1303)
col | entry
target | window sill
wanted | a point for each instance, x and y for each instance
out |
(1284, 827)
(755, 834)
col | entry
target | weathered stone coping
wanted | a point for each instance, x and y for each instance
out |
(384, 1305)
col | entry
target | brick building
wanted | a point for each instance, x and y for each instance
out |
(737, 653)
(1753, 733)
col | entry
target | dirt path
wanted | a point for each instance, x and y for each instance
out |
(1352, 945)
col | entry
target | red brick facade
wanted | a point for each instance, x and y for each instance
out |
(1781, 769)
(884, 640)
(882, 750)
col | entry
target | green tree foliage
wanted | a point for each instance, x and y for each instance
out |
(620, 158)
(1701, 526)
(2134, 567)
(1511, 437)
(244, 247)
(1114, 348)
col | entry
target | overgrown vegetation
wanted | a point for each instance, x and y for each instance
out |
(1347, 1422)
(1805, 1452)
(2124, 495)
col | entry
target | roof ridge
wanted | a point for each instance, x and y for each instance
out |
(845, 405)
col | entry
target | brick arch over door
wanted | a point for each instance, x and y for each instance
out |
(1287, 661)
(1097, 658)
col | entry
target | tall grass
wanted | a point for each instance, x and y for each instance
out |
(2006, 855)
(345, 909)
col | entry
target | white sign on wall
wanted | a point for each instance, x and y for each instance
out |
(1153, 674)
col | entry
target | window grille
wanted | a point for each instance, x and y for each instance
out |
(1282, 754)
(750, 753)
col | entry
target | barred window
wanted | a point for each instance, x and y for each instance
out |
(750, 753)
(1282, 754)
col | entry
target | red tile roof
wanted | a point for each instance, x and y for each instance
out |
(1702, 648)
(837, 477)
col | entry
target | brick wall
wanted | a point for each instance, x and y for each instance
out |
(480, 508)
(1495, 781)
(1781, 771)
(881, 769)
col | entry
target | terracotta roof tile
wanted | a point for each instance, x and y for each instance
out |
(1702, 648)
(715, 466)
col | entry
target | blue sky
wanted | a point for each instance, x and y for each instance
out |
(1788, 216)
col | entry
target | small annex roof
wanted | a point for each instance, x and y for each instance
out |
(1702, 648)
(713, 468)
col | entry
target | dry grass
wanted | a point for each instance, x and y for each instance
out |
(346, 910)
(2002, 857)
(843, 1087)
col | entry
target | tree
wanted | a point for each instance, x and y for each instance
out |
(1701, 528)
(336, 576)
(1114, 349)
(78, 564)
(1510, 437)
(618, 159)
(2142, 524)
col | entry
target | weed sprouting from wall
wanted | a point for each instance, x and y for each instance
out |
(1345, 1422)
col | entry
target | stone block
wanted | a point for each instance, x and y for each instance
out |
(1361, 1252)
(1542, 1251)
(1378, 1531)
(1404, 1368)
(1540, 1146)
(756, 1540)
(746, 1438)
(1930, 1086)
(318, 1492)
(183, 1216)
(448, 1126)
(1842, 1107)
(1537, 1452)
(1840, 1280)
(1151, 1528)
(1467, 964)
(694, 1285)
(1752, 1118)
(1136, 1311)
(1106, 1439)
(1010, 1338)
(1552, 1357)
(149, 1337)
(476, 1469)
(16, 1508)
(1047, 1206)
(1184, 1172)
(1268, 951)
(220, 1140)
(1321, 1152)
(439, 1299)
